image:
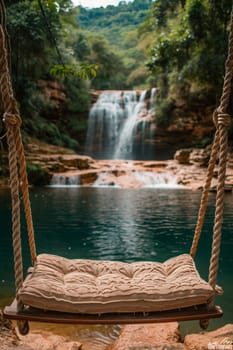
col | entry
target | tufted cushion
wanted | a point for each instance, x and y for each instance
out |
(90, 286)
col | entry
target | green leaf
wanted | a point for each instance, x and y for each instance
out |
(83, 70)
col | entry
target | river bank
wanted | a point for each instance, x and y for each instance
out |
(49, 164)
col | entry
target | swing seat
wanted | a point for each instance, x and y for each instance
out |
(98, 287)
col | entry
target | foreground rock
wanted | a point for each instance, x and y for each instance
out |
(35, 340)
(160, 336)
(221, 338)
(8, 336)
(166, 336)
(149, 337)
(42, 340)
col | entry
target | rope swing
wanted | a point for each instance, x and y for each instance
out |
(111, 292)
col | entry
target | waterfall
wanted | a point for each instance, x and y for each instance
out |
(59, 180)
(137, 179)
(119, 122)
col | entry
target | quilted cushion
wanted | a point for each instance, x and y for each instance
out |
(90, 286)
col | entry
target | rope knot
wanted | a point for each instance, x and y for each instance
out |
(221, 118)
(11, 119)
(218, 290)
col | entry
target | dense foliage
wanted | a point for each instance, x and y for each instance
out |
(178, 46)
(53, 41)
(189, 50)
(109, 36)
(39, 41)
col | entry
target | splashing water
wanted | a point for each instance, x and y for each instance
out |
(59, 180)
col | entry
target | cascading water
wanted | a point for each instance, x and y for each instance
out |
(135, 127)
(59, 180)
(119, 124)
(119, 128)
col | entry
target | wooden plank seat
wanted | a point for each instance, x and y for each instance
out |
(90, 288)
(199, 312)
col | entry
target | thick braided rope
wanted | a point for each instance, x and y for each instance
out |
(13, 168)
(14, 181)
(222, 121)
(25, 192)
(221, 109)
(11, 107)
(205, 195)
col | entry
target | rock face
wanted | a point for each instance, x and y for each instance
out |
(149, 336)
(193, 156)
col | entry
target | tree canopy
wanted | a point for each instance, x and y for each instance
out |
(189, 50)
(178, 46)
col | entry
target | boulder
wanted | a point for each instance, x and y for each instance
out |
(43, 340)
(148, 336)
(194, 156)
(77, 161)
(182, 156)
(88, 177)
(221, 338)
(200, 156)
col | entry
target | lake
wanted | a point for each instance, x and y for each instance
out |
(120, 224)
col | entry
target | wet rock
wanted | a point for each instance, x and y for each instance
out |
(182, 155)
(196, 156)
(118, 172)
(77, 161)
(221, 338)
(148, 337)
(88, 177)
(200, 156)
(42, 340)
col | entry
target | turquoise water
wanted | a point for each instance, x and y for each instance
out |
(119, 224)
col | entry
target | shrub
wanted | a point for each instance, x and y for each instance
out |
(37, 175)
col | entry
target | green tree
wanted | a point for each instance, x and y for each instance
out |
(187, 57)
(39, 42)
(110, 67)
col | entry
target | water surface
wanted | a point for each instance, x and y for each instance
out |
(119, 224)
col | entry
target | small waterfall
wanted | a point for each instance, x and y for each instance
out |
(59, 180)
(156, 180)
(118, 122)
(138, 179)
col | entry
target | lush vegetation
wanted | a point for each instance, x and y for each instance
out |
(179, 46)
(109, 37)
(40, 44)
(52, 41)
(188, 54)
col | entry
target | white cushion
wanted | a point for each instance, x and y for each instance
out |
(91, 286)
